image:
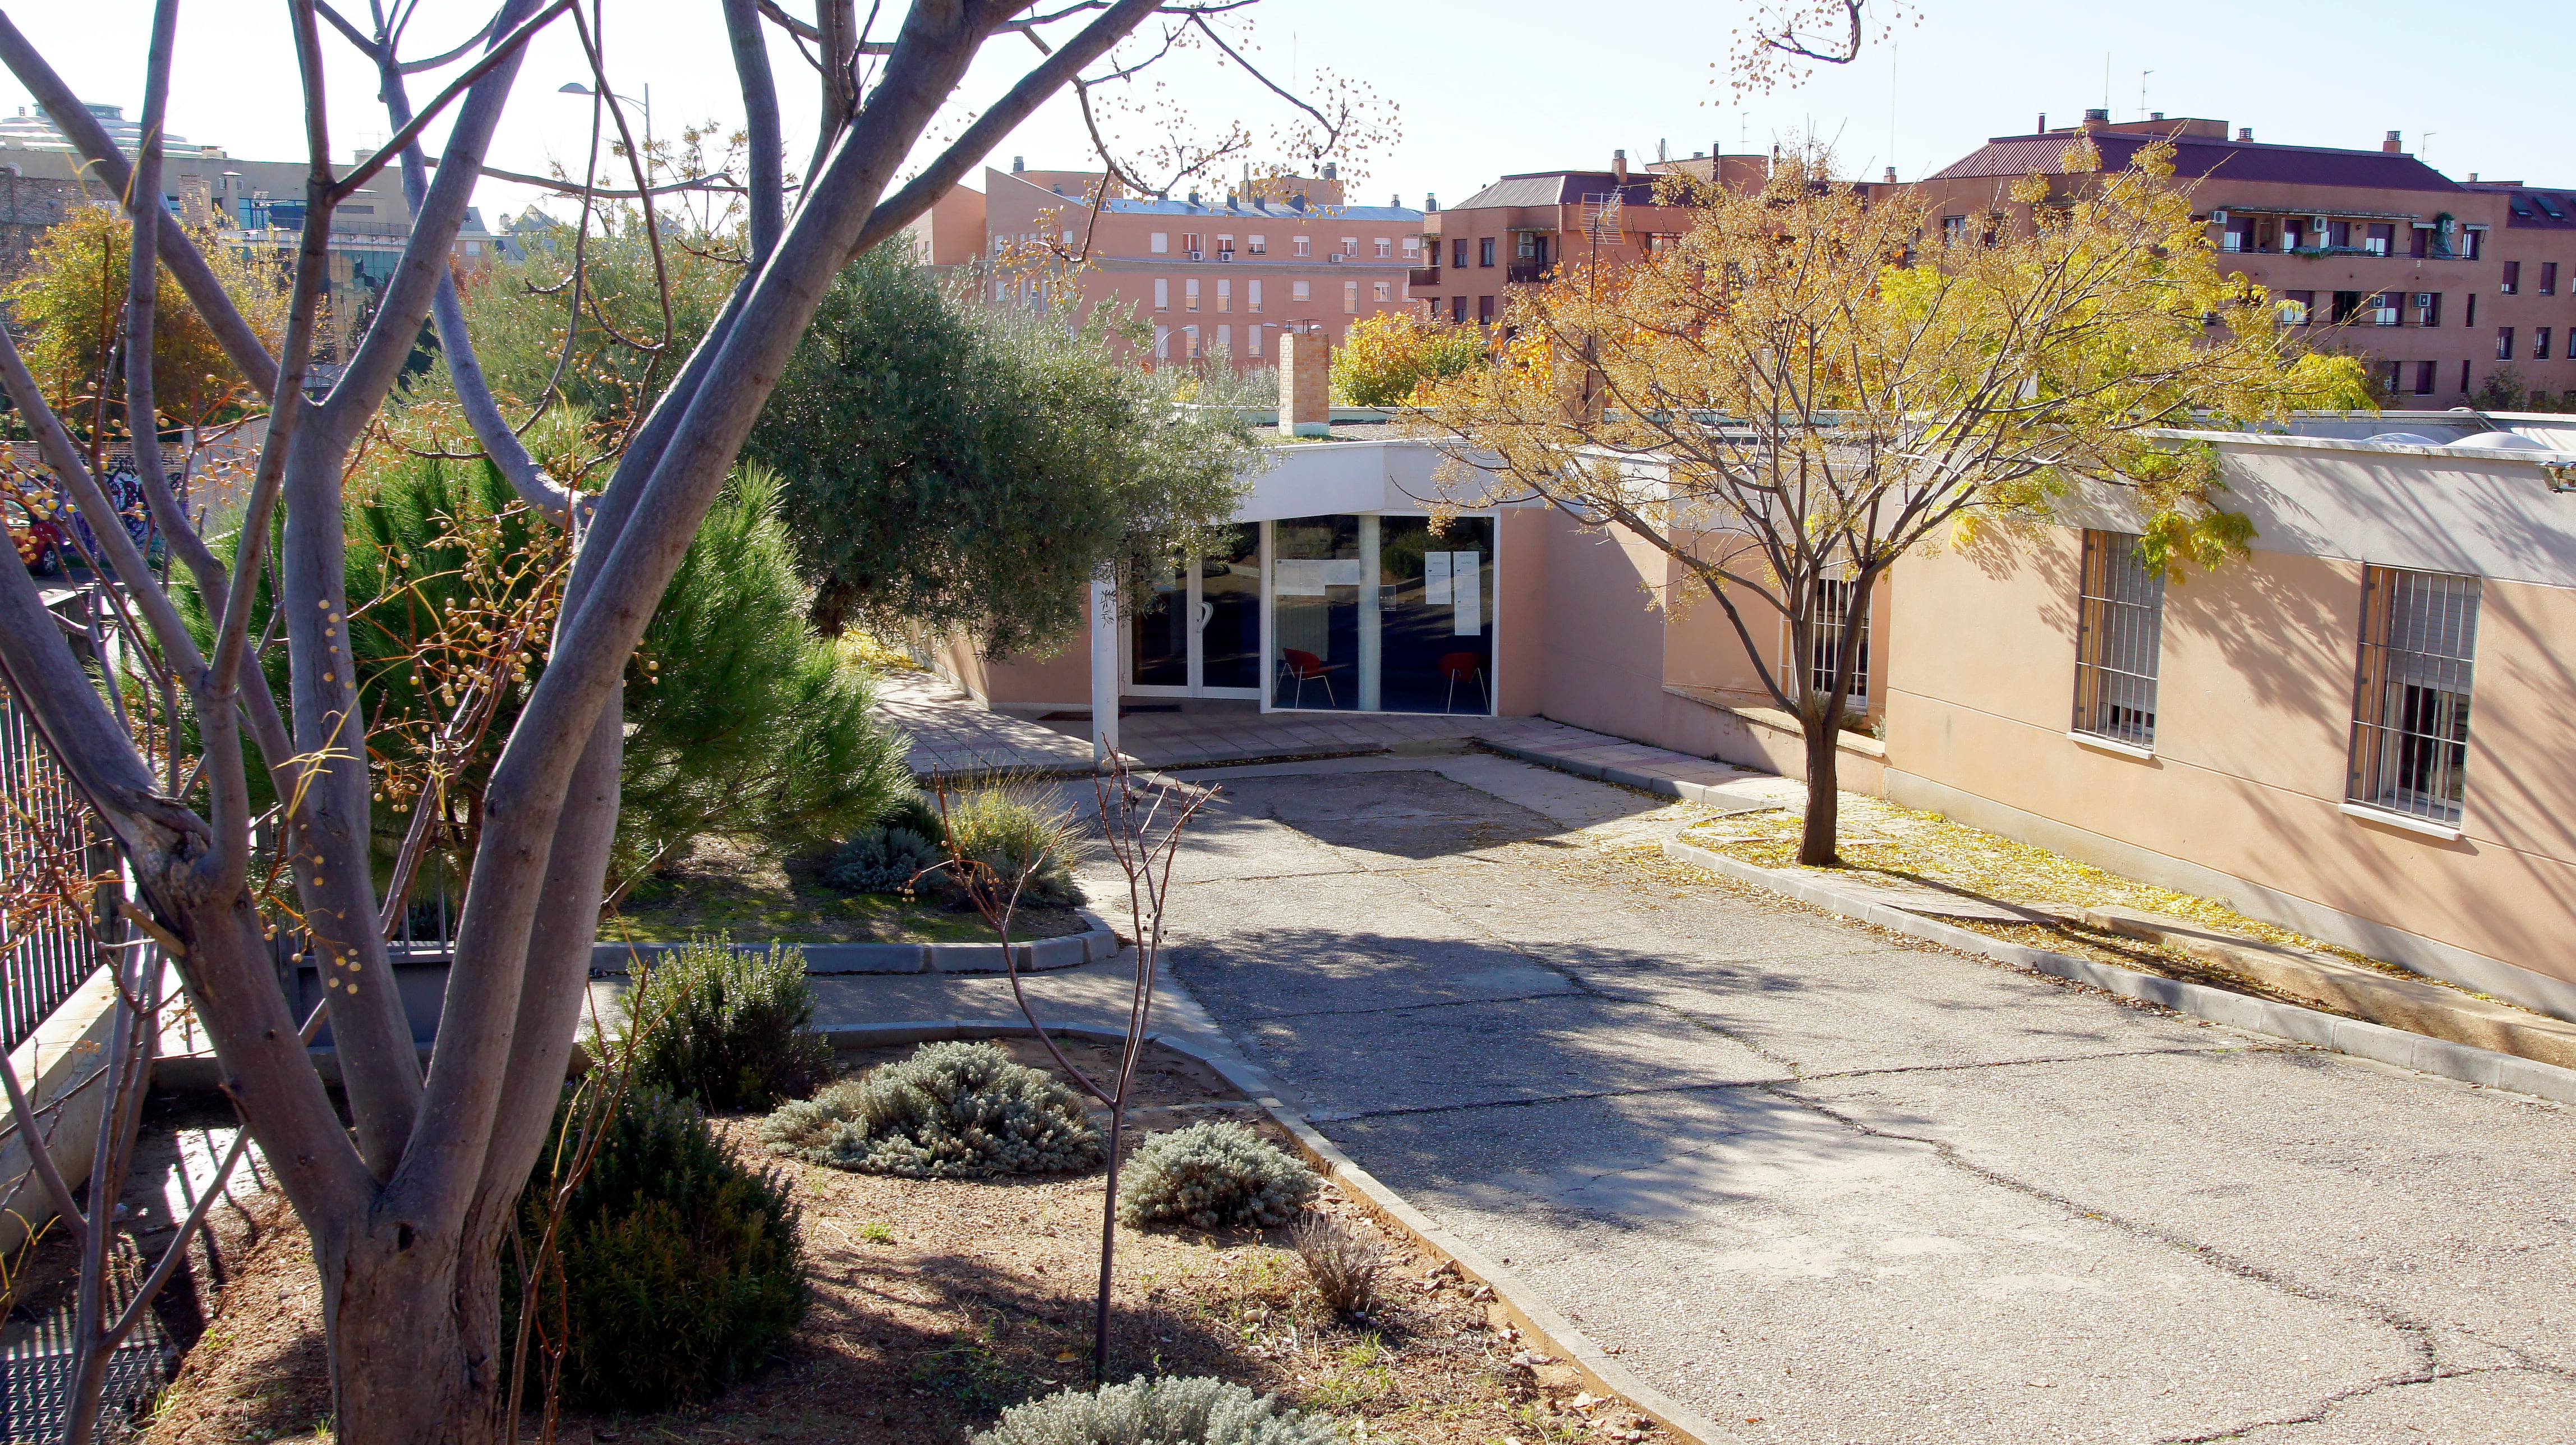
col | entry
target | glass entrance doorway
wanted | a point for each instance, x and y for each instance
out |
(1373, 613)
(1199, 632)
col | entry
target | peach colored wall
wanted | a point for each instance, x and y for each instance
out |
(1521, 604)
(1063, 680)
(2254, 706)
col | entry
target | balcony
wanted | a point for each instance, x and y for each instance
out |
(1526, 273)
(1424, 276)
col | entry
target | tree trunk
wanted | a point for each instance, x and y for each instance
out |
(1824, 797)
(431, 1303)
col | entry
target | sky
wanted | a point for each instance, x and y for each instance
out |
(1481, 90)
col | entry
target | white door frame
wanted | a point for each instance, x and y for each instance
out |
(1201, 610)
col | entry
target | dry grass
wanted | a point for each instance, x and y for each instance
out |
(1879, 840)
(938, 1303)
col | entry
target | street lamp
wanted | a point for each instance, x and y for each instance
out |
(575, 87)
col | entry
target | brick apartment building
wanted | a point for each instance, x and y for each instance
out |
(2442, 285)
(1213, 275)
(1519, 229)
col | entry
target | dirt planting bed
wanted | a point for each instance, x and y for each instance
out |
(937, 1304)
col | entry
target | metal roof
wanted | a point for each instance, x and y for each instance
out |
(2022, 155)
(1560, 188)
(1263, 210)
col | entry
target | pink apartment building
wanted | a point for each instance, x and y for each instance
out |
(1212, 273)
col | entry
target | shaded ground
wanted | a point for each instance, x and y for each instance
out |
(1826, 1184)
(723, 888)
(940, 1303)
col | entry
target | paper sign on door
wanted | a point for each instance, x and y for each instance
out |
(1467, 593)
(1435, 579)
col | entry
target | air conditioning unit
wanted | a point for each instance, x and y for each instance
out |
(1337, 258)
(2423, 300)
(1195, 256)
(2219, 215)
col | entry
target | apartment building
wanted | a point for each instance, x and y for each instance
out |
(1213, 275)
(1520, 229)
(2453, 291)
(256, 206)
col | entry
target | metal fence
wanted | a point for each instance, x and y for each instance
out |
(2410, 726)
(2122, 630)
(44, 951)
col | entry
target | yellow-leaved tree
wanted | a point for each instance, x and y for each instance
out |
(70, 304)
(1392, 354)
(1804, 386)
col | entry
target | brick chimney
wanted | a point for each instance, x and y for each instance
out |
(2391, 144)
(2043, 124)
(2096, 118)
(1891, 175)
(2245, 133)
(1305, 384)
(1619, 166)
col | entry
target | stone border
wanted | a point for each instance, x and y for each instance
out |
(2378, 1042)
(1546, 1330)
(1094, 944)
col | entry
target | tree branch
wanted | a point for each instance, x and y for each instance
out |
(768, 161)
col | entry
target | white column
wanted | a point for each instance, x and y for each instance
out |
(1104, 669)
(1371, 652)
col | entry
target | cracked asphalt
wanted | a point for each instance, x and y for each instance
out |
(1827, 1184)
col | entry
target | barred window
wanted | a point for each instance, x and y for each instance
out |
(2119, 633)
(2410, 724)
(1833, 628)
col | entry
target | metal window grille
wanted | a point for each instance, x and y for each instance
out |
(44, 951)
(2410, 720)
(2120, 633)
(1832, 629)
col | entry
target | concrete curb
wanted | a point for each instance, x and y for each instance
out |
(1688, 792)
(2378, 1042)
(1546, 1330)
(1093, 944)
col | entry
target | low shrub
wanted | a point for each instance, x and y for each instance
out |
(1008, 834)
(725, 1028)
(951, 1111)
(1342, 1262)
(1213, 1176)
(915, 812)
(1191, 1410)
(681, 1270)
(885, 860)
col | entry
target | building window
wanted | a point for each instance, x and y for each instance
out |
(1832, 624)
(1225, 295)
(1385, 291)
(1954, 230)
(2540, 344)
(1485, 310)
(2119, 633)
(2428, 308)
(1458, 307)
(1190, 342)
(1252, 298)
(1385, 247)
(2410, 719)
(2237, 236)
(2424, 372)
(1412, 247)
(2548, 278)
(2385, 309)
(1350, 298)
(1351, 247)
(1458, 253)
(1301, 291)
(1257, 245)
(2512, 277)
(2294, 306)
(1162, 342)
(2571, 343)
(2423, 243)
(2345, 304)
(2504, 343)
(1484, 250)
(1160, 243)
(2381, 240)
(1225, 248)
(1225, 339)
(1190, 294)
(1162, 294)
(1252, 339)
(2473, 243)
(1299, 246)
(2464, 378)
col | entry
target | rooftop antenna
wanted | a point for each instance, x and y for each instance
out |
(2142, 93)
(2106, 82)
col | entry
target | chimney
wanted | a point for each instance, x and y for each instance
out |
(1305, 383)
(2155, 115)
(2392, 145)
(1329, 172)
(1430, 202)
(2043, 124)
(2245, 133)
(1660, 153)
(1019, 164)
(1396, 201)
(2096, 118)
(2473, 178)
(1619, 166)
(1891, 175)
(1194, 197)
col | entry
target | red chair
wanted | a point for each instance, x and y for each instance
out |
(1458, 667)
(1305, 667)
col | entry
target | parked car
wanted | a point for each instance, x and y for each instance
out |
(39, 542)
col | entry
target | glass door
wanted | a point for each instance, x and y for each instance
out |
(1198, 633)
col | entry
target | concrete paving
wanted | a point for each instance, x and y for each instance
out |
(1827, 1184)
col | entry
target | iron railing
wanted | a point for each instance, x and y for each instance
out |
(44, 951)
(2121, 632)
(2410, 723)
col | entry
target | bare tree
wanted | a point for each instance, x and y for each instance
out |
(407, 1201)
